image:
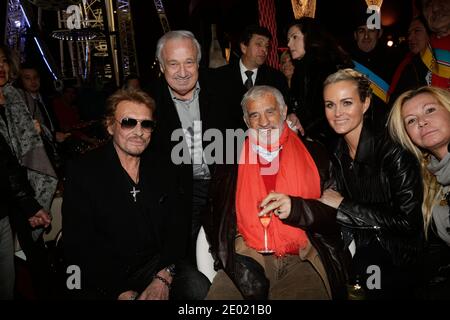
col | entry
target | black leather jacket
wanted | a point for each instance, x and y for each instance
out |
(317, 219)
(382, 190)
(14, 184)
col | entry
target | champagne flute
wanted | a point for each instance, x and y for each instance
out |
(265, 221)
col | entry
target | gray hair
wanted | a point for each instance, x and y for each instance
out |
(259, 92)
(177, 34)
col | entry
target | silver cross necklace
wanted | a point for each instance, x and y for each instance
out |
(134, 191)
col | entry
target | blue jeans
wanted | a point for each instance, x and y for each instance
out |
(7, 273)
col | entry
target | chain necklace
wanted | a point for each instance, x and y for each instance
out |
(134, 191)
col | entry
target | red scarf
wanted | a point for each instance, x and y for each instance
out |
(297, 176)
(398, 73)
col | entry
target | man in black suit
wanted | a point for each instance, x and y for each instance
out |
(183, 113)
(122, 222)
(233, 80)
(43, 116)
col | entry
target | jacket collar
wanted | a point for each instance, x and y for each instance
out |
(168, 100)
(365, 153)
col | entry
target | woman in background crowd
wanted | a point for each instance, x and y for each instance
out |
(286, 66)
(316, 55)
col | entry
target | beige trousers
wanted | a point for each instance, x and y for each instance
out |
(291, 277)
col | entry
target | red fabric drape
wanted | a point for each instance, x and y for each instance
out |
(267, 18)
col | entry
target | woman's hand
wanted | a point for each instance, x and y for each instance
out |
(279, 203)
(331, 198)
(37, 126)
(41, 218)
(294, 123)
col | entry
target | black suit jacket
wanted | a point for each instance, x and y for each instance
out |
(45, 109)
(168, 121)
(166, 113)
(229, 90)
(111, 237)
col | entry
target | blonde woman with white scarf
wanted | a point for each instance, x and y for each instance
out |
(420, 122)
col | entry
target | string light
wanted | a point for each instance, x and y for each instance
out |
(84, 34)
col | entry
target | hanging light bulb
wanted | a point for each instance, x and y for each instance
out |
(377, 3)
(304, 8)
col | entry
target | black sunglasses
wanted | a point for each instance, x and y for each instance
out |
(130, 123)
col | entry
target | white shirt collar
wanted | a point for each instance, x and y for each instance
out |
(36, 96)
(243, 75)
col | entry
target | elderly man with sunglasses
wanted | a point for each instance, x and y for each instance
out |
(121, 219)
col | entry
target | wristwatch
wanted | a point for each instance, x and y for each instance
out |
(171, 270)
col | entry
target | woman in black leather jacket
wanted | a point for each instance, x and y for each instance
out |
(420, 121)
(378, 192)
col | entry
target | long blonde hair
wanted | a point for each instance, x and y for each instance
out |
(397, 130)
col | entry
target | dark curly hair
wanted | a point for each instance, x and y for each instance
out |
(249, 31)
(320, 45)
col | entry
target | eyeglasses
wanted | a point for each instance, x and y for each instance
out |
(130, 123)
